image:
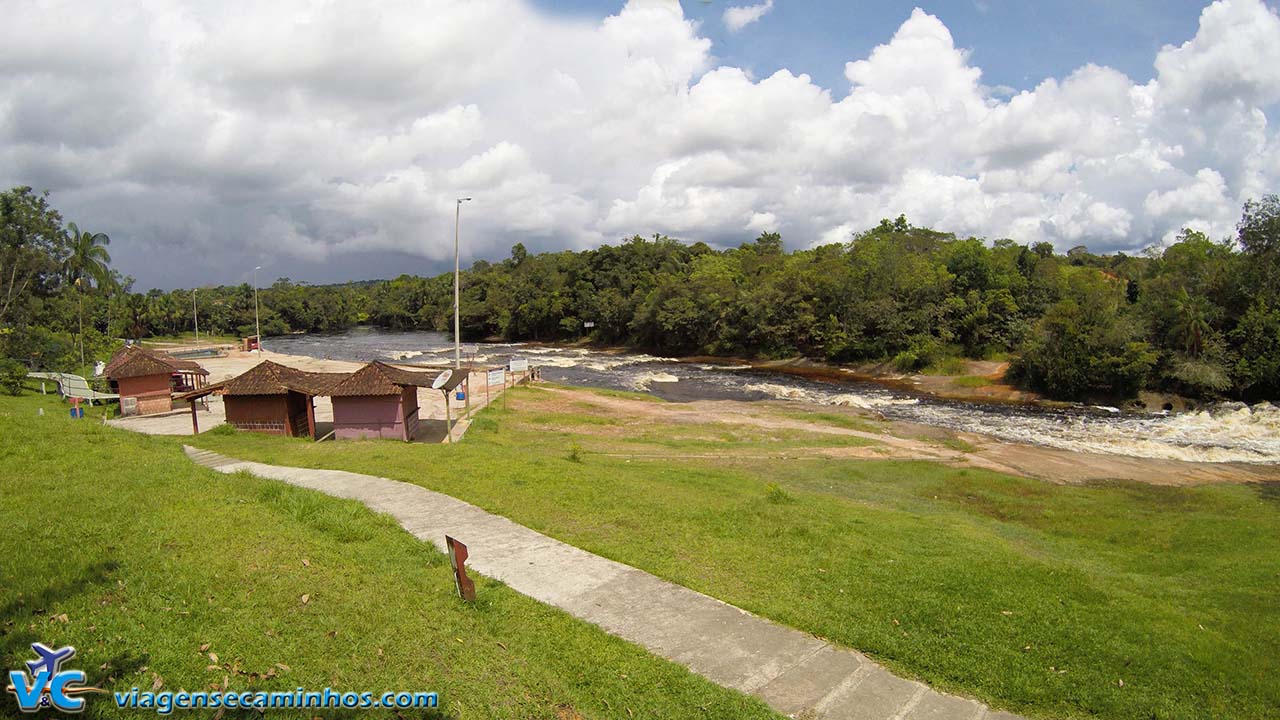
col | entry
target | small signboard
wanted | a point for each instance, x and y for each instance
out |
(496, 377)
(589, 324)
(520, 365)
(458, 560)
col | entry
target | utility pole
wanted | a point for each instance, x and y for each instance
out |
(195, 314)
(457, 325)
(257, 326)
(80, 288)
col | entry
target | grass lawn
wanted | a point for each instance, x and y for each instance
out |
(1116, 600)
(189, 338)
(163, 573)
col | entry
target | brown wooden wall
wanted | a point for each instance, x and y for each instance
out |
(409, 406)
(260, 413)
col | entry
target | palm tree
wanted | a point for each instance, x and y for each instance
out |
(1193, 322)
(86, 265)
(89, 258)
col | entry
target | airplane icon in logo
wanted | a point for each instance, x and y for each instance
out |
(50, 660)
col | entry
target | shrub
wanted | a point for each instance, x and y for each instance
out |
(1199, 377)
(12, 375)
(924, 350)
(949, 365)
(776, 495)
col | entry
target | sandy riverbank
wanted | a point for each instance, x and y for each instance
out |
(236, 362)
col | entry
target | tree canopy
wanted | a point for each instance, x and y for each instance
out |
(1199, 317)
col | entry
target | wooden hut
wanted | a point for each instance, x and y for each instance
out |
(151, 377)
(274, 398)
(378, 401)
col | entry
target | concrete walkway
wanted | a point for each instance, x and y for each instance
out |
(795, 673)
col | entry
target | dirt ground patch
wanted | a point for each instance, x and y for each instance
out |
(897, 440)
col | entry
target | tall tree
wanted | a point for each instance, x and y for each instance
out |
(1259, 233)
(87, 264)
(32, 243)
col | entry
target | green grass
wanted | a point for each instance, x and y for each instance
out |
(573, 419)
(720, 437)
(151, 558)
(849, 422)
(1034, 597)
(604, 392)
(187, 337)
(971, 381)
(959, 445)
(951, 365)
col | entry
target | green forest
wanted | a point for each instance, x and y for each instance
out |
(1200, 317)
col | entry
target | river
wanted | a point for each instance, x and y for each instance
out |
(1228, 432)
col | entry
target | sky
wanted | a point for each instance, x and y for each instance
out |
(329, 141)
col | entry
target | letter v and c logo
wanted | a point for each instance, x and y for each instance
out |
(29, 690)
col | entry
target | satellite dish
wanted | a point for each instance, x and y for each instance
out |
(441, 379)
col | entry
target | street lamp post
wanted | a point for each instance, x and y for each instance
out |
(195, 314)
(80, 287)
(257, 326)
(457, 325)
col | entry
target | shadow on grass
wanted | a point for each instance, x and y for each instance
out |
(1267, 490)
(19, 627)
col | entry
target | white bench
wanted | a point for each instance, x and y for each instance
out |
(74, 386)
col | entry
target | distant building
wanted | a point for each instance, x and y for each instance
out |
(275, 399)
(378, 401)
(149, 378)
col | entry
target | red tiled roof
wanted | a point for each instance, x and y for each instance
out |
(379, 378)
(137, 361)
(271, 378)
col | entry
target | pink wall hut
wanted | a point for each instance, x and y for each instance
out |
(378, 401)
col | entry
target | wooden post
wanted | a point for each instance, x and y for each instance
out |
(195, 424)
(466, 395)
(311, 417)
(486, 388)
(448, 429)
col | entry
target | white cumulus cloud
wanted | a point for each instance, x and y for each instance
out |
(739, 16)
(324, 141)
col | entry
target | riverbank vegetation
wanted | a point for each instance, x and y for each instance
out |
(1200, 317)
(168, 576)
(1102, 600)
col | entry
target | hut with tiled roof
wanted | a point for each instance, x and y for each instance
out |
(378, 401)
(273, 398)
(150, 377)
